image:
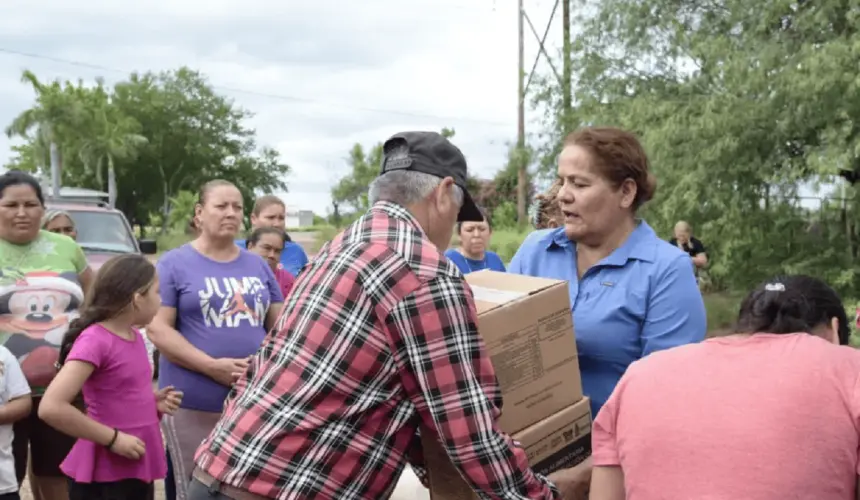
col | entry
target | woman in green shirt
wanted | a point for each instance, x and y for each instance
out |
(43, 276)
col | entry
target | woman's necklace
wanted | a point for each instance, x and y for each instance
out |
(469, 260)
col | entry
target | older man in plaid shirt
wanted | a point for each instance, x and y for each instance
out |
(378, 339)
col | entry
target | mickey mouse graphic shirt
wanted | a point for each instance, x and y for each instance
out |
(40, 294)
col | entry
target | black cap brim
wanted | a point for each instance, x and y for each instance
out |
(469, 211)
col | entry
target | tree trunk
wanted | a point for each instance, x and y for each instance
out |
(56, 171)
(111, 183)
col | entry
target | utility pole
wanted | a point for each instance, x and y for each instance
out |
(520, 156)
(567, 119)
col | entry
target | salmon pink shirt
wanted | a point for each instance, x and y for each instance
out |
(759, 417)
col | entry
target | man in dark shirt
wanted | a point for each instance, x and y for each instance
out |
(685, 241)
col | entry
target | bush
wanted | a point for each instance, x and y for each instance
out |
(171, 240)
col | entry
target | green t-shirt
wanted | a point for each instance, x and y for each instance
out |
(40, 293)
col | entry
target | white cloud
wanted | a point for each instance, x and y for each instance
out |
(319, 76)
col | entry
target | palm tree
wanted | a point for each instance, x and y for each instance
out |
(44, 122)
(115, 139)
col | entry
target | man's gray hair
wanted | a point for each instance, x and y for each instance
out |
(407, 187)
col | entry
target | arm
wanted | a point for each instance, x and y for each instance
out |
(86, 278)
(85, 272)
(676, 311)
(162, 331)
(448, 376)
(607, 476)
(607, 483)
(173, 346)
(56, 408)
(20, 403)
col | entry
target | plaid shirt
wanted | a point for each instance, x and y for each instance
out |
(378, 338)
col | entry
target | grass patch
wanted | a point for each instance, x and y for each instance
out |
(722, 311)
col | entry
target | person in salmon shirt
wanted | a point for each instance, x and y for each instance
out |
(768, 413)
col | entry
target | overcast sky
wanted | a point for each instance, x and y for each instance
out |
(320, 75)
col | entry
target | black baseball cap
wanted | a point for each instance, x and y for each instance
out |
(433, 154)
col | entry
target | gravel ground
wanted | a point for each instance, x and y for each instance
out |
(159, 491)
(409, 488)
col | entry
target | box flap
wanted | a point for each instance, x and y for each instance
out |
(492, 289)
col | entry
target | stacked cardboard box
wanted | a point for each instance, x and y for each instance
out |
(527, 327)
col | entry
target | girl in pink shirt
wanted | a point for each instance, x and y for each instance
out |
(769, 413)
(119, 451)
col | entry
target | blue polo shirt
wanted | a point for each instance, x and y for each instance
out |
(642, 298)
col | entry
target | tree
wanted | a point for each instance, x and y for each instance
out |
(47, 123)
(160, 134)
(739, 104)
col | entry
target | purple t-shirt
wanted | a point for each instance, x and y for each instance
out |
(220, 309)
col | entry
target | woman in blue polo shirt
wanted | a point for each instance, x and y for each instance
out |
(631, 293)
(472, 254)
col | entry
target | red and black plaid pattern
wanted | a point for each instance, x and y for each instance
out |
(378, 337)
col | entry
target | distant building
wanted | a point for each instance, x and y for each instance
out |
(300, 218)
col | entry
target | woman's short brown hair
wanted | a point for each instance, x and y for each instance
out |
(618, 155)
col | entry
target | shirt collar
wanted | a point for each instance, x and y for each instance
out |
(633, 248)
(397, 212)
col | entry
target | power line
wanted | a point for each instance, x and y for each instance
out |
(282, 97)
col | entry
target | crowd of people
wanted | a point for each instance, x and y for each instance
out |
(287, 379)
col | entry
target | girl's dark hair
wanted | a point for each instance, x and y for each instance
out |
(17, 178)
(486, 219)
(116, 283)
(791, 304)
(258, 233)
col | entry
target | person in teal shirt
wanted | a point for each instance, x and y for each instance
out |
(472, 254)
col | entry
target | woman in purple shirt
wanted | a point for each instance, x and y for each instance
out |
(218, 302)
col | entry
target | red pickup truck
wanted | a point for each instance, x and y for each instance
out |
(104, 233)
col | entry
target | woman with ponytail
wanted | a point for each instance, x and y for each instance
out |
(119, 452)
(769, 413)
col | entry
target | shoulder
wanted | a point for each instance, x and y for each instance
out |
(541, 238)
(453, 254)
(293, 248)
(493, 256)
(538, 242)
(61, 242)
(668, 257)
(178, 253)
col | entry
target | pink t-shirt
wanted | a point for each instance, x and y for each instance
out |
(761, 417)
(117, 394)
(285, 281)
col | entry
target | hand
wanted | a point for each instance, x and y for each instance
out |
(238, 374)
(573, 483)
(128, 446)
(225, 370)
(167, 400)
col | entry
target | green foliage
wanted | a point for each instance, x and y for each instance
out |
(161, 133)
(738, 104)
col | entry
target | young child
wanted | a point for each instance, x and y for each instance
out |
(15, 404)
(119, 452)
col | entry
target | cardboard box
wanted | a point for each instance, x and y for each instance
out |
(527, 327)
(560, 441)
